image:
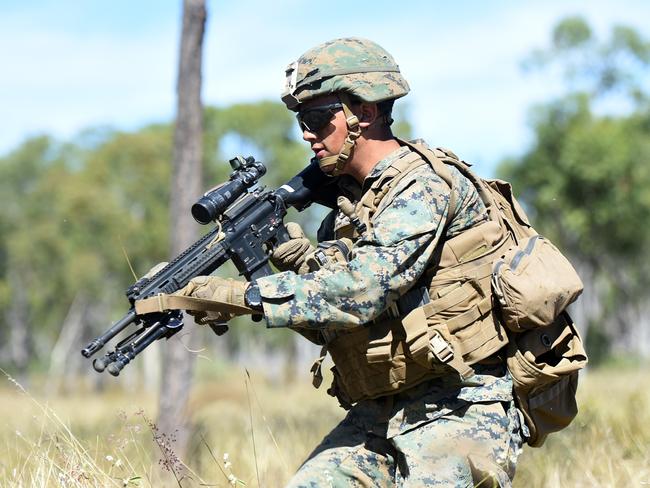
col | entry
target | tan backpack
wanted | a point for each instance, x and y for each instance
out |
(532, 285)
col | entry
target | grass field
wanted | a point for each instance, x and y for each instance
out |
(256, 434)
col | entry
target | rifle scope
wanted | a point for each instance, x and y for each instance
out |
(214, 202)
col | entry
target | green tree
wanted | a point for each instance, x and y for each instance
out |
(68, 211)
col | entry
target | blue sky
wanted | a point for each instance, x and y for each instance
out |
(69, 65)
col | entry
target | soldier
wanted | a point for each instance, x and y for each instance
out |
(388, 292)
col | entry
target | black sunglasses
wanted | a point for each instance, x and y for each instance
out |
(316, 118)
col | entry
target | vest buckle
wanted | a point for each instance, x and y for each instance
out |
(440, 348)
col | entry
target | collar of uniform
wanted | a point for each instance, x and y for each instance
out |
(383, 164)
(349, 187)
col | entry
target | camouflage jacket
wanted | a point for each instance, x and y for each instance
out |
(408, 228)
(386, 261)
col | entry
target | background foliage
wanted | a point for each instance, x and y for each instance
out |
(73, 210)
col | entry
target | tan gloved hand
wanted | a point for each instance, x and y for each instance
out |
(290, 255)
(209, 298)
(224, 291)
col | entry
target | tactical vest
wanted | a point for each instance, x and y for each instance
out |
(457, 328)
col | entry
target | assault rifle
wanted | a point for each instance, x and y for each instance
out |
(249, 225)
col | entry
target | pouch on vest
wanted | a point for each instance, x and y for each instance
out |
(544, 364)
(533, 284)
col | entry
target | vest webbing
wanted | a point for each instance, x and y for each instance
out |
(399, 169)
(456, 329)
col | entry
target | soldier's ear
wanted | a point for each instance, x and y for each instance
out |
(368, 113)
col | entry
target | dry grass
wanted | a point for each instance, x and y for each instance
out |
(257, 434)
(608, 445)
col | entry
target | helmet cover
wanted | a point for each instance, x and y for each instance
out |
(359, 67)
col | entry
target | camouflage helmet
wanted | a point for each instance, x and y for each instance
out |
(359, 67)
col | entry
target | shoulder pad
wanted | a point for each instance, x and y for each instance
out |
(420, 142)
(443, 152)
(447, 154)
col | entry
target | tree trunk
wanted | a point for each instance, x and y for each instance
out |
(178, 362)
(64, 357)
(17, 317)
(643, 332)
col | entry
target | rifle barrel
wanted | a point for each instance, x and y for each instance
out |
(99, 342)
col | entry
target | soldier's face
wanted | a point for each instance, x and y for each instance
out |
(327, 140)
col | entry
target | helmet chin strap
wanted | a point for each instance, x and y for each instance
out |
(333, 165)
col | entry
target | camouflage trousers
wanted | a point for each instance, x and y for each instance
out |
(474, 445)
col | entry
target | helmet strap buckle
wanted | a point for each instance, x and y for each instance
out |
(354, 132)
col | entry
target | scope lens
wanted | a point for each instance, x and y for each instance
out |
(216, 201)
(203, 211)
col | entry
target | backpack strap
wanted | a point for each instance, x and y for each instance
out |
(388, 180)
(446, 157)
(441, 170)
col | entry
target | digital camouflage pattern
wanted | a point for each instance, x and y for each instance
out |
(440, 433)
(406, 229)
(356, 66)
